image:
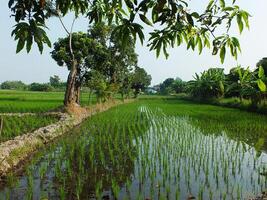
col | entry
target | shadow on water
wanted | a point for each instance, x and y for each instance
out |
(144, 151)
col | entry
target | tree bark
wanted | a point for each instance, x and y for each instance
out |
(71, 93)
(78, 93)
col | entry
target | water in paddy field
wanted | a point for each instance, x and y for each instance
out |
(142, 153)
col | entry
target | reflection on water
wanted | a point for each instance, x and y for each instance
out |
(138, 152)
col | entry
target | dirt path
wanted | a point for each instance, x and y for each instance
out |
(15, 151)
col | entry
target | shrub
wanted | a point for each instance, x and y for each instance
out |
(13, 85)
(40, 87)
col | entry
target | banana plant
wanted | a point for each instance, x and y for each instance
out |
(244, 82)
(253, 85)
(208, 84)
(261, 81)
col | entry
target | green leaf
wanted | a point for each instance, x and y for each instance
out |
(195, 15)
(200, 45)
(20, 45)
(245, 17)
(215, 51)
(40, 46)
(165, 52)
(210, 4)
(222, 54)
(129, 4)
(190, 19)
(46, 40)
(221, 87)
(145, 20)
(29, 44)
(138, 28)
(261, 85)
(261, 73)
(236, 43)
(222, 3)
(228, 9)
(240, 23)
(158, 47)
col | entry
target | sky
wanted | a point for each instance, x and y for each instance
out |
(182, 63)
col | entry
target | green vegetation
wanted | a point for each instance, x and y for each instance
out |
(13, 85)
(171, 86)
(249, 87)
(99, 61)
(26, 101)
(55, 84)
(179, 24)
(240, 88)
(12, 126)
(154, 148)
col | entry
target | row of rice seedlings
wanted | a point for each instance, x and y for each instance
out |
(17, 106)
(13, 126)
(138, 151)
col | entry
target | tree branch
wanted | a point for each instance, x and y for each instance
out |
(61, 21)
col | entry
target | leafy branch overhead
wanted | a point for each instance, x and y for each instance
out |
(178, 24)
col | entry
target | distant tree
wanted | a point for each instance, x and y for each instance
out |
(43, 87)
(167, 86)
(13, 85)
(115, 65)
(84, 50)
(54, 81)
(97, 83)
(180, 24)
(244, 82)
(209, 84)
(140, 80)
(178, 85)
(126, 86)
(231, 80)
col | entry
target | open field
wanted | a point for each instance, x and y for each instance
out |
(152, 149)
(25, 101)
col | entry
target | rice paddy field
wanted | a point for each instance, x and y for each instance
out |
(12, 126)
(26, 101)
(151, 149)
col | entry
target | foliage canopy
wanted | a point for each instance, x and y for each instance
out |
(178, 24)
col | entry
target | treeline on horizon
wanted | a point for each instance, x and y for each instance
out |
(54, 84)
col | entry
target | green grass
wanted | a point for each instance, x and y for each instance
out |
(26, 101)
(14, 126)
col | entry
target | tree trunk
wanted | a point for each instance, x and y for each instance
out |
(78, 93)
(71, 93)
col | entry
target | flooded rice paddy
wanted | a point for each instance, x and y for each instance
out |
(151, 149)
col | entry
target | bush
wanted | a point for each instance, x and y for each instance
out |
(13, 85)
(40, 87)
